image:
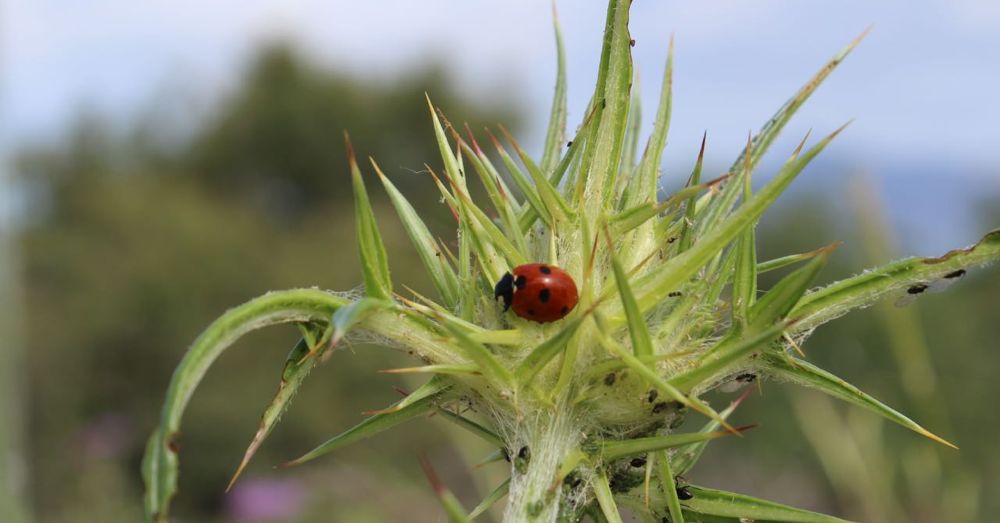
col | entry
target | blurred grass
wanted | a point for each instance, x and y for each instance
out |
(131, 247)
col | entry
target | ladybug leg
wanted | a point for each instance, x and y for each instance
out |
(505, 289)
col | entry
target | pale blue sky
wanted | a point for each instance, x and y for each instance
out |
(922, 87)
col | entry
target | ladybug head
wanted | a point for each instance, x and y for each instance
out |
(505, 289)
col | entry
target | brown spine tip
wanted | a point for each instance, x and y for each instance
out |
(432, 476)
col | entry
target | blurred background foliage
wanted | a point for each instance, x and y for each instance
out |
(137, 237)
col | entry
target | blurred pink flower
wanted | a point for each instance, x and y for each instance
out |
(266, 500)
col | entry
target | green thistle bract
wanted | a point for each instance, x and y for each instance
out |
(585, 407)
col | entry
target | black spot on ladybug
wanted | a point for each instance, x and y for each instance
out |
(653, 393)
(917, 289)
(638, 462)
(675, 294)
(543, 295)
(531, 312)
(609, 380)
(564, 310)
(660, 407)
(684, 494)
(520, 282)
(544, 269)
(957, 274)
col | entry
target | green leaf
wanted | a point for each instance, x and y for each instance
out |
(687, 236)
(301, 360)
(484, 433)
(806, 374)
(745, 276)
(606, 500)
(785, 261)
(728, 504)
(781, 298)
(160, 462)
(451, 162)
(654, 288)
(491, 499)
(479, 354)
(415, 405)
(604, 146)
(837, 299)
(668, 486)
(684, 458)
(437, 266)
(499, 196)
(556, 134)
(528, 189)
(617, 449)
(481, 236)
(642, 344)
(536, 360)
(350, 315)
(645, 183)
(452, 507)
(650, 376)
(630, 145)
(550, 196)
(762, 140)
(374, 262)
(725, 353)
(454, 370)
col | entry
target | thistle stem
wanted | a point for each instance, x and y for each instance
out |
(544, 440)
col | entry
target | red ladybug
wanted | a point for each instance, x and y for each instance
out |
(538, 292)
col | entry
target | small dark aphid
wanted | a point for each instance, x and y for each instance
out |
(956, 274)
(609, 380)
(917, 289)
(660, 407)
(675, 294)
(653, 393)
(684, 494)
(522, 459)
(671, 239)
(631, 42)
(747, 377)
(572, 480)
(569, 143)
(638, 462)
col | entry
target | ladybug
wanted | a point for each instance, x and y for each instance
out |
(538, 292)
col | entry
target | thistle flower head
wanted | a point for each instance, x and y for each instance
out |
(586, 407)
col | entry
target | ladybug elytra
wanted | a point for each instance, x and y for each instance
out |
(537, 292)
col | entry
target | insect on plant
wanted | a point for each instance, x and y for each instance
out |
(654, 303)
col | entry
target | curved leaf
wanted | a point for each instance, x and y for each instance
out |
(740, 507)
(160, 462)
(837, 299)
